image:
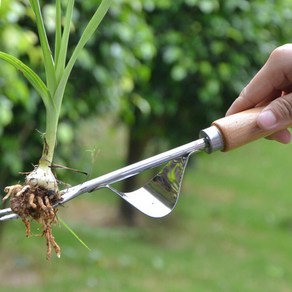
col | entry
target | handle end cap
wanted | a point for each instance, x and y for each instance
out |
(213, 138)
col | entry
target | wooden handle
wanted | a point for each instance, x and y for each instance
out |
(241, 128)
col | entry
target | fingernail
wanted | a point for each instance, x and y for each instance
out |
(267, 120)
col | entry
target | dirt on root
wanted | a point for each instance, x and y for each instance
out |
(36, 203)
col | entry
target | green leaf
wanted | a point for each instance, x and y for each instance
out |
(62, 54)
(48, 58)
(86, 35)
(74, 234)
(31, 76)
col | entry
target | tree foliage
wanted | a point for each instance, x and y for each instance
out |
(205, 52)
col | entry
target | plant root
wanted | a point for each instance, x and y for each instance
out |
(35, 203)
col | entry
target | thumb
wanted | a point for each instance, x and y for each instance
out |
(277, 115)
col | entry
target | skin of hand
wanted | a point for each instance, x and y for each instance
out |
(271, 87)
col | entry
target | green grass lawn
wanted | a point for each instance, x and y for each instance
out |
(231, 231)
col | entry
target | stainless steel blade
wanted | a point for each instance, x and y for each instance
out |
(158, 197)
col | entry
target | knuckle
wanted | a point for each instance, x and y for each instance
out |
(281, 53)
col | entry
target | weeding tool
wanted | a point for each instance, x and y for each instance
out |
(158, 197)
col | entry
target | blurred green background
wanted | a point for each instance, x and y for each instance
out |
(154, 75)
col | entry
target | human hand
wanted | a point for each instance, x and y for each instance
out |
(272, 88)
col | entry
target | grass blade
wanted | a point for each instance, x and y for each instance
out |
(31, 76)
(73, 233)
(86, 35)
(61, 61)
(48, 58)
(58, 34)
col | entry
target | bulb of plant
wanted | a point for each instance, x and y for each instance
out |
(35, 198)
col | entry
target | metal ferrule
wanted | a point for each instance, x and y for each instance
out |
(213, 138)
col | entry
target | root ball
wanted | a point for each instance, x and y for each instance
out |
(36, 203)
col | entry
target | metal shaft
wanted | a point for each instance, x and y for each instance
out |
(133, 169)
